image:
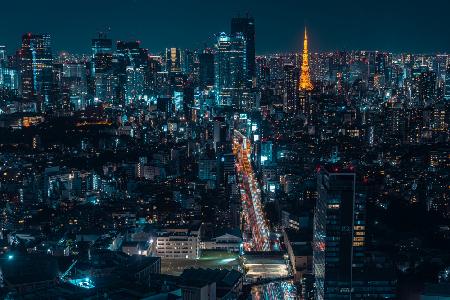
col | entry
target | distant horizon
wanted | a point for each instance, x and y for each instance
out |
(399, 26)
(11, 51)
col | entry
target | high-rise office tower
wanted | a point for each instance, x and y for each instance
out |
(290, 84)
(9, 78)
(102, 82)
(131, 53)
(35, 64)
(102, 44)
(394, 120)
(230, 69)
(447, 83)
(130, 63)
(173, 60)
(220, 133)
(154, 67)
(337, 65)
(134, 88)
(2, 54)
(188, 61)
(339, 233)
(206, 68)
(106, 87)
(423, 90)
(73, 84)
(246, 26)
(8, 75)
(381, 69)
(262, 71)
(440, 66)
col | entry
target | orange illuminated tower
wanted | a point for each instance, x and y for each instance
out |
(305, 80)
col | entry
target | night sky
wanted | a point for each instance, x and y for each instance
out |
(394, 25)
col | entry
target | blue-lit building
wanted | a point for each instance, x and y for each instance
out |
(343, 267)
(173, 60)
(229, 69)
(339, 233)
(290, 88)
(206, 69)
(134, 87)
(9, 78)
(35, 65)
(266, 152)
(423, 89)
(102, 44)
(246, 26)
(178, 98)
(102, 82)
(447, 84)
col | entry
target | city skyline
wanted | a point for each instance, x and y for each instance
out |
(391, 27)
(210, 172)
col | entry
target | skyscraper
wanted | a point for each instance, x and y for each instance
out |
(447, 83)
(206, 68)
(173, 60)
(305, 79)
(35, 63)
(339, 233)
(134, 87)
(423, 89)
(101, 53)
(130, 63)
(2, 54)
(291, 75)
(72, 85)
(8, 75)
(131, 53)
(246, 26)
(102, 44)
(102, 81)
(229, 69)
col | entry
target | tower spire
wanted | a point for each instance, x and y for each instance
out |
(305, 79)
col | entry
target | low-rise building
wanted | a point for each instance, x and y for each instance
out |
(300, 253)
(229, 241)
(179, 243)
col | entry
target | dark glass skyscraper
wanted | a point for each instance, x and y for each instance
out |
(229, 68)
(246, 26)
(2, 53)
(173, 60)
(35, 62)
(423, 90)
(102, 44)
(339, 233)
(447, 83)
(102, 82)
(206, 68)
(291, 76)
